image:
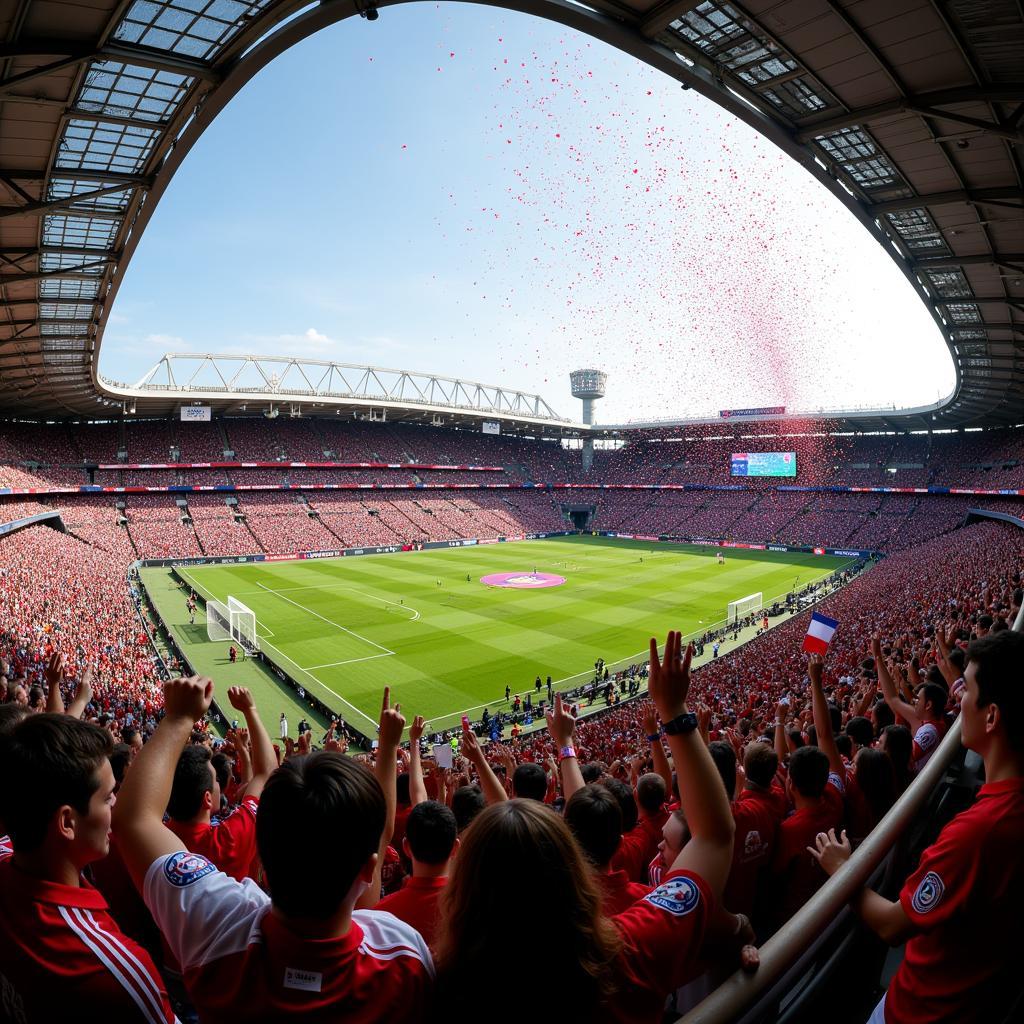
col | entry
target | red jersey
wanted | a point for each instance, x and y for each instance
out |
(61, 953)
(860, 817)
(639, 845)
(662, 936)
(230, 842)
(416, 903)
(618, 893)
(966, 901)
(757, 824)
(798, 874)
(241, 962)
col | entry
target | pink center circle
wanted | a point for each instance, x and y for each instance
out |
(523, 580)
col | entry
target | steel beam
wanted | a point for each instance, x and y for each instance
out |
(1014, 260)
(664, 14)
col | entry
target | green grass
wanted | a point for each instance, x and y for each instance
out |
(347, 627)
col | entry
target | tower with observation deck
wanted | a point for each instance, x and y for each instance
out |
(589, 386)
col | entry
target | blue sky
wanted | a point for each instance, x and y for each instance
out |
(476, 193)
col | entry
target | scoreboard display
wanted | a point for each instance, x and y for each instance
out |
(763, 464)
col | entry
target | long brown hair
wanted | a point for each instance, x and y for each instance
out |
(513, 848)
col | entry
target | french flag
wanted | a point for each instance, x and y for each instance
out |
(819, 633)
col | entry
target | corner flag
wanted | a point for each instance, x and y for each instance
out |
(819, 633)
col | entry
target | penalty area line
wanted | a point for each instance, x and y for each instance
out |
(323, 618)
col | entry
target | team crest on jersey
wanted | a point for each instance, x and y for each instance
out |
(752, 845)
(184, 868)
(678, 896)
(928, 893)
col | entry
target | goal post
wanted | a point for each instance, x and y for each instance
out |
(743, 607)
(231, 621)
(243, 624)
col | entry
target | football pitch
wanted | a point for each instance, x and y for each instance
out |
(426, 625)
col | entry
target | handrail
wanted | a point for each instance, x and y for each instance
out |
(737, 994)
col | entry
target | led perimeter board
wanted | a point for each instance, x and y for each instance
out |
(763, 464)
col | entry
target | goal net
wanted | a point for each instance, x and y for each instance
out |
(743, 607)
(231, 621)
(243, 624)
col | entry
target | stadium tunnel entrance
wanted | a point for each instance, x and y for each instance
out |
(579, 515)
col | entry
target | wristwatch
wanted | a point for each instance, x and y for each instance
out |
(681, 724)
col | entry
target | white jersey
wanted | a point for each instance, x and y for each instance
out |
(240, 961)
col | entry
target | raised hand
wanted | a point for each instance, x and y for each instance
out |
(470, 746)
(416, 729)
(188, 698)
(649, 721)
(669, 681)
(54, 671)
(815, 669)
(944, 645)
(831, 853)
(241, 698)
(561, 724)
(83, 692)
(392, 722)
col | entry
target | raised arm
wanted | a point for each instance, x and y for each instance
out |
(892, 698)
(781, 741)
(822, 718)
(490, 785)
(142, 799)
(389, 736)
(54, 674)
(701, 792)
(867, 700)
(244, 762)
(83, 694)
(417, 787)
(562, 727)
(264, 760)
(653, 733)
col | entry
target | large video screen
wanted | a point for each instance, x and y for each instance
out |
(763, 464)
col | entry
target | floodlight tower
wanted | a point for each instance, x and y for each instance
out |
(589, 386)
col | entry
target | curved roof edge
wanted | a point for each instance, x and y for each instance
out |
(919, 143)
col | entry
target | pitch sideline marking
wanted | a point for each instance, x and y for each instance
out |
(309, 611)
(320, 682)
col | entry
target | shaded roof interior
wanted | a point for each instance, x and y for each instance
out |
(911, 111)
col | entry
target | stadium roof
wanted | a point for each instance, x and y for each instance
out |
(910, 111)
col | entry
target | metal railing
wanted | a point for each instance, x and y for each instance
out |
(787, 952)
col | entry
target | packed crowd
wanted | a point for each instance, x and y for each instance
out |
(696, 454)
(139, 881)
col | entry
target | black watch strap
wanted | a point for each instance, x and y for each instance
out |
(681, 724)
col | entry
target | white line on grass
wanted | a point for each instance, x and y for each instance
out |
(350, 661)
(341, 586)
(320, 682)
(323, 618)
